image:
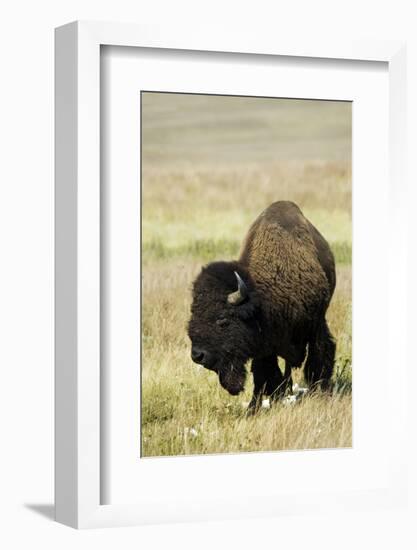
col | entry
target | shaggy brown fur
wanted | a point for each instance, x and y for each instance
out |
(289, 275)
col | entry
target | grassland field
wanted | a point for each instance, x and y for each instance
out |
(210, 165)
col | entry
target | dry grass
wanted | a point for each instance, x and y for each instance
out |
(194, 212)
(224, 427)
(222, 202)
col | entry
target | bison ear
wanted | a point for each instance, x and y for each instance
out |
(236, 298)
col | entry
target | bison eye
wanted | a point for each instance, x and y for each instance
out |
(222, 322)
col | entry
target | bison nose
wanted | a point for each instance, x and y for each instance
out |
(197, 355)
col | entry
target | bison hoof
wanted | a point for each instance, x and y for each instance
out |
(253, 407)
(258, 403)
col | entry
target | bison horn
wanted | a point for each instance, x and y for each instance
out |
(241, 293)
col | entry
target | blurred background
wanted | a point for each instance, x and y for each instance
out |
(184, 129)
(210, 165)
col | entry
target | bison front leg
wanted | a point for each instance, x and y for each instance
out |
(267, 380)
(320, 361)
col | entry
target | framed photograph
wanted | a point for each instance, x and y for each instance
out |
(230, 242)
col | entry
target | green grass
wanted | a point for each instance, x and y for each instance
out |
(203, 249)
(209, 249)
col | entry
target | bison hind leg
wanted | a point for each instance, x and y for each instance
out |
(318, 369)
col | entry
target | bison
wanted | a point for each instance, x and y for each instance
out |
(269, 303)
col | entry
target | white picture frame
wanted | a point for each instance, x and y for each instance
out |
(78, 405)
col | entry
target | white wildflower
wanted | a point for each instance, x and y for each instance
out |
(289, 400)
(298, 391)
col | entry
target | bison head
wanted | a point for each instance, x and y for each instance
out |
(224, 324)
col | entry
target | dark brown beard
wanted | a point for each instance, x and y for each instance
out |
(232, 378)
